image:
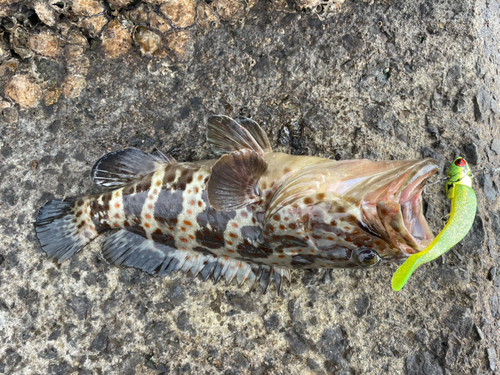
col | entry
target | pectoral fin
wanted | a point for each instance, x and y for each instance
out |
(234, 179)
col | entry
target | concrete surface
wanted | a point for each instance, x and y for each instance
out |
(380, 79)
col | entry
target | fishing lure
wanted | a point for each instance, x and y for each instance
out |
(463, 211)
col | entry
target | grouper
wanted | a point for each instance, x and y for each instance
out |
(250, 215)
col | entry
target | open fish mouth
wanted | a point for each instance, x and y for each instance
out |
(414, 220)
(393, 207)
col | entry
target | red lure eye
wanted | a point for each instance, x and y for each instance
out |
(460, 162)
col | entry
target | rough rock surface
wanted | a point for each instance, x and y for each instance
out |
(379, 79)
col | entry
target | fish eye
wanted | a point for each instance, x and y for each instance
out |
(460, 162)
(367, 257)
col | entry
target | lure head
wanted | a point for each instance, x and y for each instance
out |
(459, 173)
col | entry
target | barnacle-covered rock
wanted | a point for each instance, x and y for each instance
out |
(45, 13)
(180, 44)
(73, 86)
(8, 67)
(49, 72)
(323, 5)
(23, 90)
(181, 13)
(4, 50)
(9, 23)
(139, 15)
(206, 18)
(19, 40)
(118, 4)
(156, 2)
(59, 6)
(87, 7)
(158, 22)
(89, 15)
(46, 43)
(77, 38)
(74, 51)
(78, 65)
(52, 96)
(94, 25)
(148, 41)
(7, 2)
(309, 4)
(116, 39)
(229, 10)
(282, 6)
(5, 54)
(64, 29)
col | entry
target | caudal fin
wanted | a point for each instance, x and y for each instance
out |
(63, 228)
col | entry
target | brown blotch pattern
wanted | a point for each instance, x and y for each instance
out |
(144, 184)
(248, 251)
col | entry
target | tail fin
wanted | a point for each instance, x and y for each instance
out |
(63, 228)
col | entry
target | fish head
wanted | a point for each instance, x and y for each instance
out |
(359, 212)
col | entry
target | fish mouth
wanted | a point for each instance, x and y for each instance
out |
(397, 202)
(410, 202)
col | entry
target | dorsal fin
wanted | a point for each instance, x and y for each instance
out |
(226, 135)
(164, 158)
(121, 167)
(234, 178)
(256, 131)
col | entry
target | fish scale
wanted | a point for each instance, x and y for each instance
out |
(250, 215)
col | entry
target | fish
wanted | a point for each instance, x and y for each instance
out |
(251, 215)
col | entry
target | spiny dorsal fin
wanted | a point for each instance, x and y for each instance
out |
(226, 135)
(234, 178)
(124, 248)
(121, 167)
(256, 131)
(163, 157)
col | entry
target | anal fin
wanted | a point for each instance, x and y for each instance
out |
(121, 167)
(124, 248)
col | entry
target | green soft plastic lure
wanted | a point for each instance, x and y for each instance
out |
(463, 211)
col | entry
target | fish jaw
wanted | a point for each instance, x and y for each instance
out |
(394, 210)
